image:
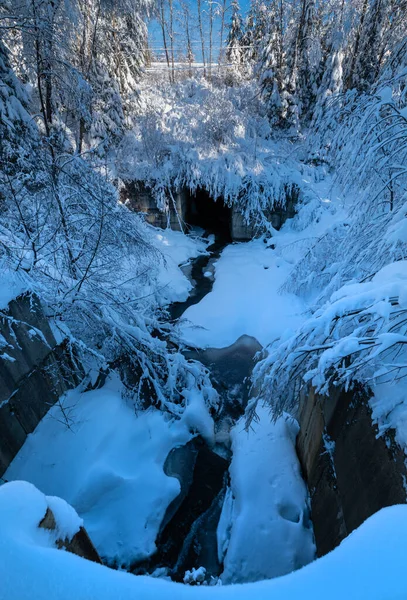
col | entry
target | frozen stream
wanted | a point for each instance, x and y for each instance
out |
(262, 527)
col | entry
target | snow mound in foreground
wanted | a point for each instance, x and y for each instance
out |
(370, 563)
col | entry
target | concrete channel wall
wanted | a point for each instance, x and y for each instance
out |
(34, 372)
(139, 198)
(351, 472)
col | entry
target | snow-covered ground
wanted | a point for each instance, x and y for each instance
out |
(177, 250)
(12, 284)
(107, 461)
(265, 529)
(369, 564)
(244, 299)
(93, 451)
(248, 295)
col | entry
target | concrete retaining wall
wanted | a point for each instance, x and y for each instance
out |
(351, 472)
(139, 198)
(34, 372)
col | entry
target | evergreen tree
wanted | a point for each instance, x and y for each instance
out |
(17, 129)
(272, 75)
(380, 17)
(306, 61)
(107, 123)
(234, 42)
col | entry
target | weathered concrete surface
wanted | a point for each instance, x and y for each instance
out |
(27, 340)
(241, 231)
(139, 198)
(34, 372)
(351, 472)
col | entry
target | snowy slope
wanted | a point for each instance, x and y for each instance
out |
(96, 453)
(369, 564)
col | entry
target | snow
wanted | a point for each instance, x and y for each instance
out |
(67, 520)
(191, 144)
(363, 321)
(265, 529)
(12, 284)
(370, 563)
(107, 462)
(389, 409)
(245, 299)
(195, 576)
(196, 416)
(177, 249)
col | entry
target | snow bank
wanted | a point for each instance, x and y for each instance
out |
(245, 300)
(96, 453)
(177, 249)
(265, 529)
(369, 564)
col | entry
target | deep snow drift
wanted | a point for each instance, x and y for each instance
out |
(370, 563)
(265, 529)
(93, 450)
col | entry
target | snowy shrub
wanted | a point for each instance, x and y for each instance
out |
(359, 335)
(357, 268)
(86, 256)
(200, 135)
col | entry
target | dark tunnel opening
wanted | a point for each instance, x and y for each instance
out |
(212, 215)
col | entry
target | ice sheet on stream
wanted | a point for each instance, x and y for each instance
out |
(244, 299)
(369, 564)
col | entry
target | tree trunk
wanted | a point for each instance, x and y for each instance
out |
(171, 34)
(211, 16)
(162, 23)
(222, 30)
(201, 33)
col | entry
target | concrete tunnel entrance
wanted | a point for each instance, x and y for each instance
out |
(212, 215)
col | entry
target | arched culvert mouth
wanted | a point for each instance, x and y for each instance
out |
(212, 215)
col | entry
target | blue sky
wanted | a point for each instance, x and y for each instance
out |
(156, 39)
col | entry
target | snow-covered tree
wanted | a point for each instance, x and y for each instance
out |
(234, 42)
(15, 120)
(256, 27)
(107, 118)
(272, 67)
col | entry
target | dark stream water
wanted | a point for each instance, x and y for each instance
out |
(188, 533)
(230, 368)
(202, 284)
